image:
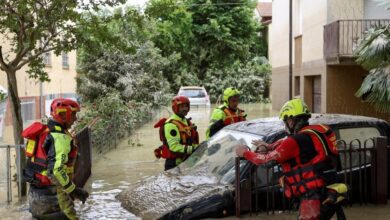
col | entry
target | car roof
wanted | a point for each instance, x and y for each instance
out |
(272, 125)
(191, 87)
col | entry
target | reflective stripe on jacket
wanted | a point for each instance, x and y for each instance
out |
(61, 155)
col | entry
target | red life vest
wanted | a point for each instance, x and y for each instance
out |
(37, 154)
(188, 136)
(317, 153)
(232, 116)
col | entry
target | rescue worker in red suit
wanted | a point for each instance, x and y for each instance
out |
(180, 138)
(305, 156)
(50, 169)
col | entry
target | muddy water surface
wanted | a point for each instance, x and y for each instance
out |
(133, 160)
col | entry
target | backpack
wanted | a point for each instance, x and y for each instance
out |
(36, 154)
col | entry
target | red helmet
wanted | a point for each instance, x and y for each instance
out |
(63, 105)
(178, 100)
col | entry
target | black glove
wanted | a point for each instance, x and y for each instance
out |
(216, 126)
(80, 194)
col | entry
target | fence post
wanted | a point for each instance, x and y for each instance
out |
(238, 187)
(380, 188)
(9, 180)
(19, 170)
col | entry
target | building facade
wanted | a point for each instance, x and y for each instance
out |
(36, 96)
(325, 34)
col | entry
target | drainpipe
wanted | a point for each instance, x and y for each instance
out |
(290, 70)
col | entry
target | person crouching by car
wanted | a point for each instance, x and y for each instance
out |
(226, 114)
(178, 134)
(308, 157)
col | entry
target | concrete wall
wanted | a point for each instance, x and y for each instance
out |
(314, 18)
(373, 11)
(342, 9)
(345, 81)
(62, 80)
(308, 45)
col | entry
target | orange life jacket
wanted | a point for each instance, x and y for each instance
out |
(35, 171)
(231, 116)
(305, 172)
(188, 136)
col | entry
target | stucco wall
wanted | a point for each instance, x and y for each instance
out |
(279, 87)
(62, 80)
(278, 34)
(342, 9)
(345, 81)
(314, 16)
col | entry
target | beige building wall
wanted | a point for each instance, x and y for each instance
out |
(307, 45)
(345, 81)
(62, 79)
(313, 20)
(29, 90)
(278, 53)
(342, 9)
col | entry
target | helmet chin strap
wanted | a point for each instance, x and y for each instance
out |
(298, 124)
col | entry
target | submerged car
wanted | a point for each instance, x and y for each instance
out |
(203, 185)
(196, 94)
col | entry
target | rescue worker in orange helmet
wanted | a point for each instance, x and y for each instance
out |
(308, 157)
(226, 114)
(180, 136)
(52, 190)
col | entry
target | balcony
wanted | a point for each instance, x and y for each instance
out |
(341, 38)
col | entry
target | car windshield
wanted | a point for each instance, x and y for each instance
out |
(193, 93)
(218, 155)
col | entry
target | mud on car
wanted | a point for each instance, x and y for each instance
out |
(203, 185)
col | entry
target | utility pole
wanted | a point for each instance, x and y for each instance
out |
(290, 70)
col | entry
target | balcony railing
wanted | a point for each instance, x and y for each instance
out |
(341, 38)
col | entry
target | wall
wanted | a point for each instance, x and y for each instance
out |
(342, 9)
(314, 18)
(346, 80)
(373, 11)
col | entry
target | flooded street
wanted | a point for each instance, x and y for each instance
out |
(134, 160)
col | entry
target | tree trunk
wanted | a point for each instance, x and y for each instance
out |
(17, 121)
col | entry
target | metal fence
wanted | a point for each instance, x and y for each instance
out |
(363, 166)
(10, 167)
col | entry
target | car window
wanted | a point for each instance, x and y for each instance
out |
(193, 93)
(353, 138)
(217, 156)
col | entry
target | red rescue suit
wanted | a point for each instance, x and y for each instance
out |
(303, 157)
(300, 156)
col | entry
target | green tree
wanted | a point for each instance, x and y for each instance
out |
(204, 34)
(374, 55)
(32, 28)
(224, 32)
(123, 58)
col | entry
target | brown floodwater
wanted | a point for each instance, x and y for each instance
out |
(134, 160)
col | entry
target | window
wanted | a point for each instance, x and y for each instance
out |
(28, 110)
(65, 61)
(352, 137)
(47, 58)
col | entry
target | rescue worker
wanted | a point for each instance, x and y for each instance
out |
(52, 192)
(180, 135)
(308, 157)
(226, 114)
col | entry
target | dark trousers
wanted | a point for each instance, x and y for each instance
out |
(169, 164)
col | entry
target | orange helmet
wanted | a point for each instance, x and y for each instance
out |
(178, 100)
(63, 105)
